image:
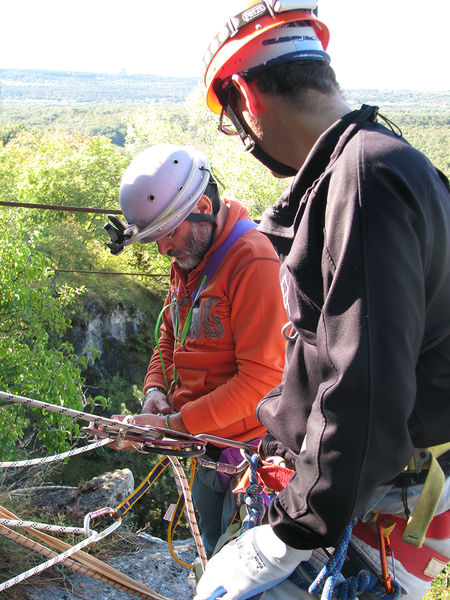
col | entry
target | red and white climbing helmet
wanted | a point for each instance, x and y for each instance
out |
(265, 33)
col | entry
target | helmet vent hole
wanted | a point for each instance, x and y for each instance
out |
(176, 161)
(151, 197)
(180, 188)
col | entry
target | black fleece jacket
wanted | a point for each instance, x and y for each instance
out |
(364, 238)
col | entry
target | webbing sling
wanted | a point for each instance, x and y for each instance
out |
(212, 264)
(215, 258)
(433, 487)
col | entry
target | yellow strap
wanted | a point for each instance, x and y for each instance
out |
(420, 519)
(146, 484)
(233, 530)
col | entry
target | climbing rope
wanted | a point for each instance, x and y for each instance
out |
(253, 496)
(79, 562)
(169, 442)
(150, 438)
(55, 457)
(20, 524)
(92, 537)
(184, 490)
(69, 553)
(326, 582)
(110, 428)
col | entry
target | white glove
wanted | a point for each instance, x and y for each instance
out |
(255, 561)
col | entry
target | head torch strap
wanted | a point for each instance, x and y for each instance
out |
(197, 217)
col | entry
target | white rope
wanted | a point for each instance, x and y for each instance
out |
(183, 488)
(95, 537)
(77, 414)
(150, 435)
(82, 562)
(19, 524)
(48, 459)
(40, 488)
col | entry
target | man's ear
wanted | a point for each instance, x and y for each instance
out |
(249, 93)
(204, 206)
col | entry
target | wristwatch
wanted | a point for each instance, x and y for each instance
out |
(154, 388)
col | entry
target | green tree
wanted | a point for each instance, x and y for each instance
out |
(239, 174)
(35, 360)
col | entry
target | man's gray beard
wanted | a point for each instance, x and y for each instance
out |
(197, 245)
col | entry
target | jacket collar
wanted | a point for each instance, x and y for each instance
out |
(236, 211)
(279, 219)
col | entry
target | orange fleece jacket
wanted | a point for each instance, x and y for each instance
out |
(233, 354)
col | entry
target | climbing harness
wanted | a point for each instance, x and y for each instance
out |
(383, 532)
(328, 582)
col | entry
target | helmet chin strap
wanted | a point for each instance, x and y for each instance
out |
(202, 217)
(196, 217)
(251, 146)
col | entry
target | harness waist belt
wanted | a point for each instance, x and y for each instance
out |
(424, 563)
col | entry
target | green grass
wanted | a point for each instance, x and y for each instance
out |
(440, 588)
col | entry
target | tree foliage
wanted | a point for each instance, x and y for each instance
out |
(239, 174)
(35, 361)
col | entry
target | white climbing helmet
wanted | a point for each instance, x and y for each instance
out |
(159, 188)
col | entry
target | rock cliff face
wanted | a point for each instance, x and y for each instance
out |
(108, 489)
(116, 339)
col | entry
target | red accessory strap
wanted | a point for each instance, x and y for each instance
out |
(275, 477)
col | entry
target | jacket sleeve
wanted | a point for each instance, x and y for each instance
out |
(155, 375)
(352, 374)
(257, 318)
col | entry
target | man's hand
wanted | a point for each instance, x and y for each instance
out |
(256, 561)
(155, 402)
(141, 420)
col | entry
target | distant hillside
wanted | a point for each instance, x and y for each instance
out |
(52, 87)
(401, 100)
(18, 85)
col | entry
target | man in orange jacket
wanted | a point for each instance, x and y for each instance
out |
(220, 348)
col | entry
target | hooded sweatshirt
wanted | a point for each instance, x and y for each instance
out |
(233, 352)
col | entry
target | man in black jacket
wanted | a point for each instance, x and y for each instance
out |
(363, 234)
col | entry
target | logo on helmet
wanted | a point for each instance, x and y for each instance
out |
(253, 12)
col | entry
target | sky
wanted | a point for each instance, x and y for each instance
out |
(382, 44)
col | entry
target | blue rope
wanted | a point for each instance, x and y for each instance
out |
(324, 582)
(253, 497)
